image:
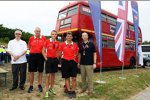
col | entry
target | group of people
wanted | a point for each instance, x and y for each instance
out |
(67, 55)
(4, 55)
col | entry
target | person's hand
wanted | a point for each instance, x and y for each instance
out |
(45, 58)
(94, 66)
(59, 65)
(16, 58)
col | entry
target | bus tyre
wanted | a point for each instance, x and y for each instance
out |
(148, 63)
(143, 66)
(132, 62)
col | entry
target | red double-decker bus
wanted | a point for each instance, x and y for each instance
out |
(76, 18)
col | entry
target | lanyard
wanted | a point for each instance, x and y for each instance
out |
(85, 47)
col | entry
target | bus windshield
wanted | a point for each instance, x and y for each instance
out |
(145, 48)
(62, 14)
(71, 11)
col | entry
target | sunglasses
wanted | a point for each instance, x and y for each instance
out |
(18, 34)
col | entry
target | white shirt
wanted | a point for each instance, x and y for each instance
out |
(140, 55)
(17, 48)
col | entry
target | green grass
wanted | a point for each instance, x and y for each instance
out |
(114, 89)
(118, 89)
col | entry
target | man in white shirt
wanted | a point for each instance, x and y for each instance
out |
(140, 55)
(17, 49)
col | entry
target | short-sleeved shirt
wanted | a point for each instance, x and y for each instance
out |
(36, 44)
(51, 48)
(69, 51)
(17, 48)
(86, 51)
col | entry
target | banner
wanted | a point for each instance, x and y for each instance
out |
(95, 7)
(135, 14)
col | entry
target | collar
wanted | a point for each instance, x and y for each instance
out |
(17, 40)
(36, 37)
(86, 42)
(68, 43)
(51, 40)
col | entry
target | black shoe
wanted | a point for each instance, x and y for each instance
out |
(30, 89)
(69, 94)
(40, 88)
(21, 87)
(13, 88)
(73, 94)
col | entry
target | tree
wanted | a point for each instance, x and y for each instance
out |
(7, 34)
(146, 42)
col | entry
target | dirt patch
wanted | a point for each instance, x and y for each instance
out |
(18, 94)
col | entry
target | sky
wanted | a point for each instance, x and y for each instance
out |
(26, 15)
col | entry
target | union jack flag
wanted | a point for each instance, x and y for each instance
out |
(121, 30)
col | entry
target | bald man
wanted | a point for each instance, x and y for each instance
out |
(36, 59)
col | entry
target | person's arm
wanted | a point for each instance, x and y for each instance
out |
(44, 53)
(79, 58)
(10, 50)
(95, 58)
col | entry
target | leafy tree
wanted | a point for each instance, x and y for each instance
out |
(7, 34)
(146, 42)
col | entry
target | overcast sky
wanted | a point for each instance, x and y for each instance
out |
(26, 15)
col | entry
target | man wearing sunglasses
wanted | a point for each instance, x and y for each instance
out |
(17, 49)
(50, 53)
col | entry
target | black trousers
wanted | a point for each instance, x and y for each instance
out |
(19, 70)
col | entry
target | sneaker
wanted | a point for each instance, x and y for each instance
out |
(73, 94)
(69, 94)
(46, 95)
(30, 89)
(52, 91)
(21, 87)
(40, 88)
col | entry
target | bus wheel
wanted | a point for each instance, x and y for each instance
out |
(132, 62)
(148, 63)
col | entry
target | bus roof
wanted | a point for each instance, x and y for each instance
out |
(86, 4)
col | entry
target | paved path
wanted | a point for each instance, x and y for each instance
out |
(144, 95)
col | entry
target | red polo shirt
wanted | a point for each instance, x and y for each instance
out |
(36, 44)
(69, 51)
(51, 48)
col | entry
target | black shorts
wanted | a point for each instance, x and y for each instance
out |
(51, 65)
(69, 68)
(36, 62)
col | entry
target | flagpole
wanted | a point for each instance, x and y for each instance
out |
(99, 45)
(136, 65)
(122, 76)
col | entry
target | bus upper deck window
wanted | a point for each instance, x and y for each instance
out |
(62, 14)
(131, 27)
(111, 20)
(59, 38)
(72, 10)
(103, 17)
(85, 10)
